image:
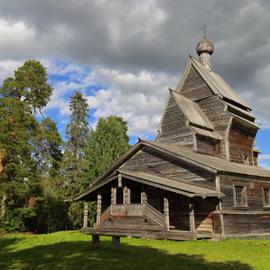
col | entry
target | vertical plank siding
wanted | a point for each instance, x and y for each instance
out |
(173, 126)
(215, 111)
(195, 87)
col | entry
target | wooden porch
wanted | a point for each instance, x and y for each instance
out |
(132, 209)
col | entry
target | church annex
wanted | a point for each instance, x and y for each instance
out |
(198, 179)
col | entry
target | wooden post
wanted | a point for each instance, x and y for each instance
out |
(119, 180)
(126, 198)
(85, 215)
(143, 198)
(166, 214)
(95, 241)
(98, 209)
(113, 196)
(221, 220)
(116, 242)
(192, 218)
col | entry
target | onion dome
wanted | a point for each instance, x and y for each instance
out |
(205, 46)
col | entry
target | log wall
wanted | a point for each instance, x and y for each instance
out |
(207, 146)
(241, 143)
(253, 219)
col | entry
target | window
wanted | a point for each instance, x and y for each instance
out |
(240, 196)
(266, 197)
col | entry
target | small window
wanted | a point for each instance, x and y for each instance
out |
(240, 196)
(266, 197)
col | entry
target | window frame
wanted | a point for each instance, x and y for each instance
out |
(245, 198)
(266, 205)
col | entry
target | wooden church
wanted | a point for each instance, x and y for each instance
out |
(199, 178)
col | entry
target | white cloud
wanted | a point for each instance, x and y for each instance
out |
(7, 68)
(138, 97)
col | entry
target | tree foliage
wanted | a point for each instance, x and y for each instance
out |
(105, 144)
(74, 155)
(38, 171)
(29, 84)
(31, 148)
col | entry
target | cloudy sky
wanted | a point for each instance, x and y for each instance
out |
(123, 55)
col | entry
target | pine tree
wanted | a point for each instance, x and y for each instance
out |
(105, 144)
(29, 84)
(30, 151)
(74, 155)
(19, 180)
(49, 148)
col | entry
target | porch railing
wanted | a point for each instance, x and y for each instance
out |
(143, 210)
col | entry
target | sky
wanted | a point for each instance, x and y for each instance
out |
(123, 55)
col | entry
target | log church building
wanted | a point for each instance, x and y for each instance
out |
(200, 177)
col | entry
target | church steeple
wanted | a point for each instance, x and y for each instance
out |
(204, 49)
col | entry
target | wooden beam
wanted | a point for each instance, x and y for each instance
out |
(85, 215)
(166, 214)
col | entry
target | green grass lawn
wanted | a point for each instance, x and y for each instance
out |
(72, 250)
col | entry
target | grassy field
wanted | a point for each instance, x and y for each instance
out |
(72, 250)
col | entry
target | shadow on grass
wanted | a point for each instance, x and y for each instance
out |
(79, 255)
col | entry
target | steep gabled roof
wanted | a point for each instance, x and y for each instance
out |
(215, 82)
(192, 111)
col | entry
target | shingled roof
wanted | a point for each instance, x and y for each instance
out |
(212, 163)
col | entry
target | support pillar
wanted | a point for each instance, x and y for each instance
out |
(221, 220)
(113, 196)
(192, 227)
(98, 209)
(126, 195)
(85, 215)
(95, 241)
(143, 198)
(116, 242)
(166, 214)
